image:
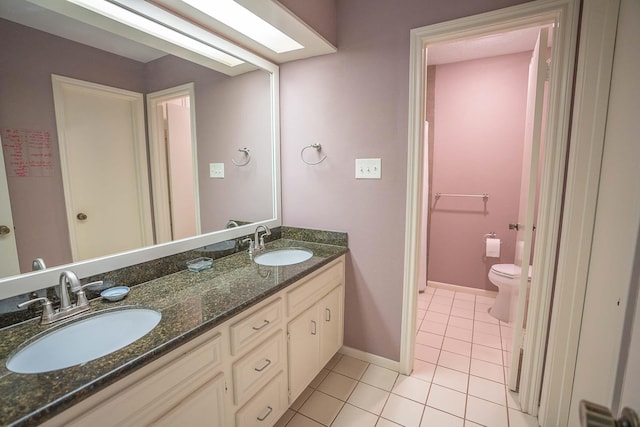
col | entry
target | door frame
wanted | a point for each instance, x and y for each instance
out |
(136, 101)
(158, 159)
(9, 265)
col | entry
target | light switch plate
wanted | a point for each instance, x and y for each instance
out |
(216, 170)
(368, 168)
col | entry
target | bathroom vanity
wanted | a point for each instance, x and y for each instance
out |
(236, 346)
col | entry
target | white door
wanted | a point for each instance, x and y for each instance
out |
(104, 167)
(8, 250)
(181, 171)
(526, 213)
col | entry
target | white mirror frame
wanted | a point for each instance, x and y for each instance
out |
(28, 282)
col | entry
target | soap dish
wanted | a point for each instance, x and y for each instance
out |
(199, 264)
(115, 294)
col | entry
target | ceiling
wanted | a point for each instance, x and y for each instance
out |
(523, 40)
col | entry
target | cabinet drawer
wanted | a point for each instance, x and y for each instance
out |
(311, 290)
(266, 407)
(256, 325)
(257, 367)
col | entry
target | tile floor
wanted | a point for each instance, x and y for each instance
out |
(458, 378)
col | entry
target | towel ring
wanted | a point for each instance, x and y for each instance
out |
(244, 150)
(318, 148)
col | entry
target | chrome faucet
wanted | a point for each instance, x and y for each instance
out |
(67, 309)
(257, 244)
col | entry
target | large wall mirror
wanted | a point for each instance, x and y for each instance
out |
(201, 154)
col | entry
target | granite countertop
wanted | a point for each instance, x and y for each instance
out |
(190, 303)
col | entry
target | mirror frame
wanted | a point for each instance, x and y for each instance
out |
(33, 281)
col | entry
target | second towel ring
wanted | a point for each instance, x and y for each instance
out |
(244, 150)
(318, 148)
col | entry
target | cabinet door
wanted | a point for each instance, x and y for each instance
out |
(330, 313)
(203, 407)
(304, 350)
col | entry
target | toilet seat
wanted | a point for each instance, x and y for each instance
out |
(510, 271)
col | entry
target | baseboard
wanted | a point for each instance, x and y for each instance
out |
(465, 289)
(371, 358)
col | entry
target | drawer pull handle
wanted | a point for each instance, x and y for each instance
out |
(314, 328)
(328, 315)
(264, 417)
(265, 322)
(263, 367)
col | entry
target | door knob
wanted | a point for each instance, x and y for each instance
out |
(81, 216)
(4, 230)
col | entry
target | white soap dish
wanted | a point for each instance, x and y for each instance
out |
(115, 294)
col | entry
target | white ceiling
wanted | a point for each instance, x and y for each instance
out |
(483, 47)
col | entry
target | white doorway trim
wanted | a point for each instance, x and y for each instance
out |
(158, 159)
(564, 13)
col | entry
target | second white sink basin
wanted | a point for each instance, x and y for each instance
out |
(281, 257)
(81, 341)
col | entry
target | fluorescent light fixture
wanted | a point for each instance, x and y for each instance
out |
(136, 21)
(246, 22)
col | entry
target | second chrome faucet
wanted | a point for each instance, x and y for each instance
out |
(257, 244)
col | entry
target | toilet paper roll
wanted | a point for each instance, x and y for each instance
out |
(492, 249)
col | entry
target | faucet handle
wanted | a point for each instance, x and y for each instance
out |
(47, 309)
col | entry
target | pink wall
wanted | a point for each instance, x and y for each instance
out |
(355, 103)
(478, 140)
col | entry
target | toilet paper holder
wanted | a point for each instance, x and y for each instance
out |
(491, 235)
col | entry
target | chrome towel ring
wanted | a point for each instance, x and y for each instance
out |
(318, 148)
(244, 150)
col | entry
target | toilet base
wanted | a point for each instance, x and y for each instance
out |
(502, 305)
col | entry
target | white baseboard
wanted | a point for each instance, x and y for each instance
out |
(465, 289)
(371, 358)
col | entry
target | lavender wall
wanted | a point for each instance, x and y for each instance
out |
(355, 103)
(318, 14)
(27, 60)
(480, 110)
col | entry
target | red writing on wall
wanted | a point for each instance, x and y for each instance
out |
(27, 153)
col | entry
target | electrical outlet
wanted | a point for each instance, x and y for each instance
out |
(216, 170)
(368, 168)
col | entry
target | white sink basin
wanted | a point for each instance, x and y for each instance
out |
(83, 340)
(281, 257)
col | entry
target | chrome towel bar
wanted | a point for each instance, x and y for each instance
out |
(484, 196)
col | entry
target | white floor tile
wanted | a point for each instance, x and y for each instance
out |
(299, 420)
(486, 328)
(487, 340)
(433, 327)
(519, 419)
(337, 385)
(513, 400)
(350, 416)
(369, 398)
(485, 300)
(430, 290)
(487, 370)
(459, 333)
(318, 379)
(411, 388)
(435, 418)
(464, 296)
(334, 361)
(432, 316)
(483, 307)
(484, 316)
(426, 353)
(423, 303)
(488, 354)
(321, 407)
(453, 345)
(447, 400)
(351, 367)
(468, 423)
(379, 377)
(454, 361)
(420, 313)
(386, 423)
(461, 312)
(486, 413)
(439, 299)
(461, 322)
(403, 411)
(506, 358)
(487, 390)
(285, 418)
(301, 399)
(445, 292)
(423, 370)
(427, 338)
(464, 304)
(439, 308)
(451, 379)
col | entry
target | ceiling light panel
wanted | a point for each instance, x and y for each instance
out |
(246, 22)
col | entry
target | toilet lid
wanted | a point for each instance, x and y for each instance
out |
(508, 270)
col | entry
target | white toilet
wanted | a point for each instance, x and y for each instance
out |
(507, 278)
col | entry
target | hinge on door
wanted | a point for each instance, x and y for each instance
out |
(547, 76)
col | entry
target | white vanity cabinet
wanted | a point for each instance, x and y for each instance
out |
(243, 373)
